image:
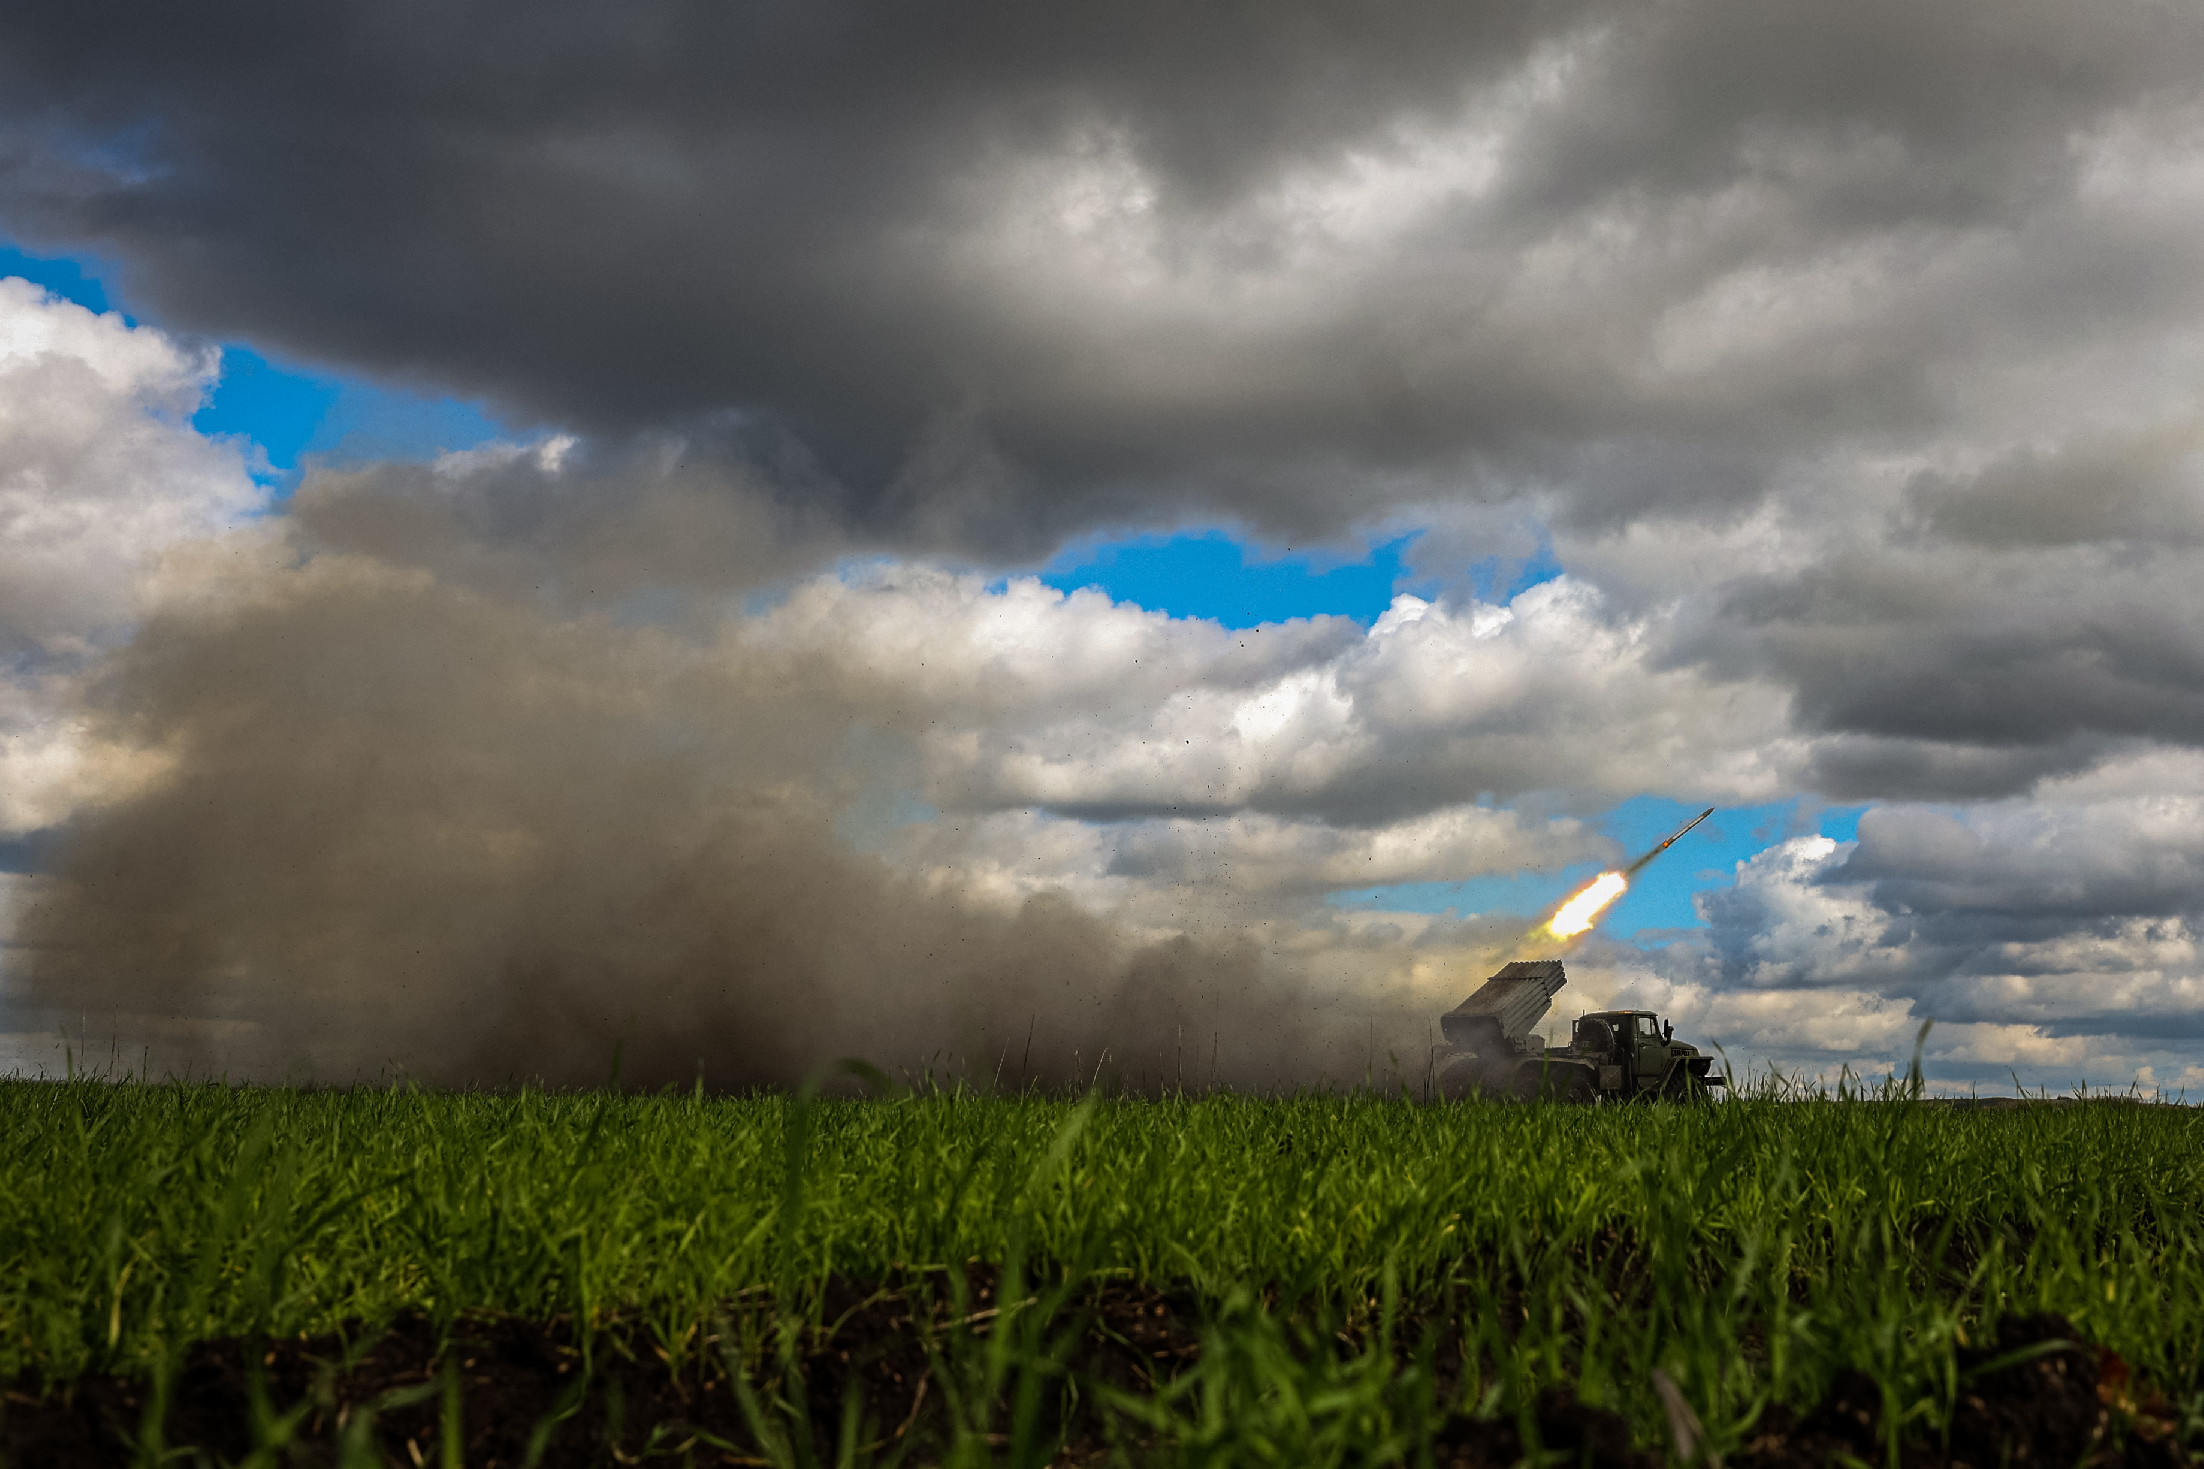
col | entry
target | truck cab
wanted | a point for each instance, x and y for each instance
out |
(1639, 1055)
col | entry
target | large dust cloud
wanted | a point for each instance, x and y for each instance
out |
(446, 826)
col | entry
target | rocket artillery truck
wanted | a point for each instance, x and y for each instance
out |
(1612, 1054)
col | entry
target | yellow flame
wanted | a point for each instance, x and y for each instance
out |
(1583, 910)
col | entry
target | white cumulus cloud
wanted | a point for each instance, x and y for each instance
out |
(101, 474)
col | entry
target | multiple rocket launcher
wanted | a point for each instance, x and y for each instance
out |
(1615, 1054)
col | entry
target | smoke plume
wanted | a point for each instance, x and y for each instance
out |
(478, 830)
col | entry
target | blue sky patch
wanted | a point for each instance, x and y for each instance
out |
(276, 408)
(291, 413)
(70, 279)
(364, 422)
(288, 410)
(1216, 574)
(1501, 579)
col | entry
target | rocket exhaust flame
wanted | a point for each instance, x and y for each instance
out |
(1583, 910)
(1584, 907)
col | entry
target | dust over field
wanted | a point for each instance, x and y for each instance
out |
(398, 1276)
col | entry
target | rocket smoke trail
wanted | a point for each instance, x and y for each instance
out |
(1633, 869)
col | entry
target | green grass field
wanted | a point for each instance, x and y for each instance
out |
(1338, 1245)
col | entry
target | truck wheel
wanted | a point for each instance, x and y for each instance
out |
(1463, 1077)
(1548, 1082)
(1682, 1086)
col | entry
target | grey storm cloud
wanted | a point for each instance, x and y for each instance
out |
(1954, 672)
(980, 274)
(2050, 871)
(1914, 284)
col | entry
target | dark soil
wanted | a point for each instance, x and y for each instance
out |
(1590, 1437)
(2063, 1403)
(535, 1391)
(540, 1392)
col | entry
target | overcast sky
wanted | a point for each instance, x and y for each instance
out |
(1318, 479)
